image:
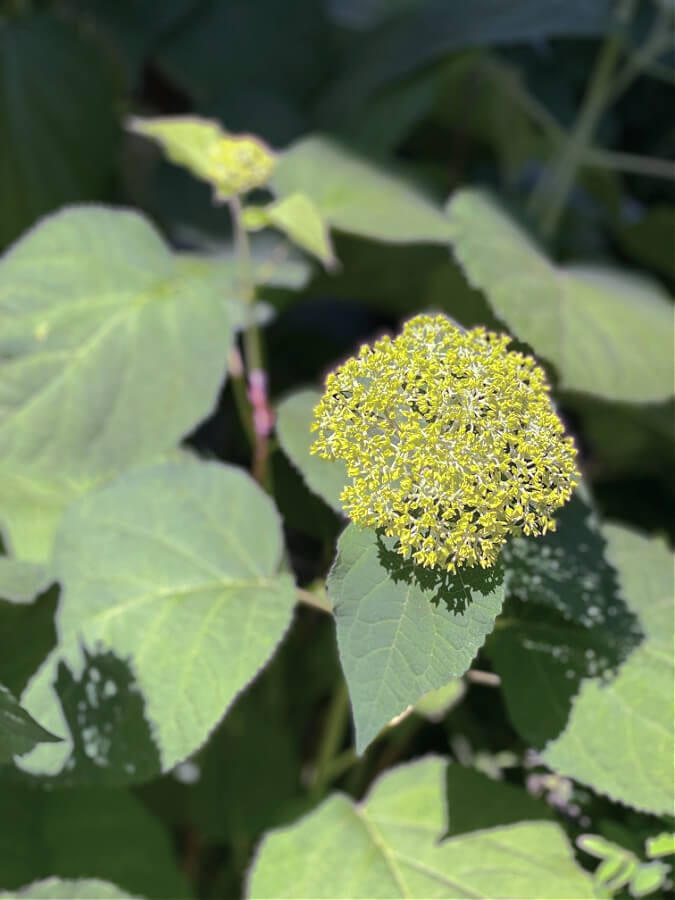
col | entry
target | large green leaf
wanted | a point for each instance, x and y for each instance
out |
(403, 631)
(19, 732)
(57, 134)
(111, 347)
(85, 833)
(435, 28)
(607, 332)
(324, 477)
(31, 506)
(607, 723)
(620, 736)
(389, 846)
(21, 582)
(172, 603)
(356, 196)
(59, 889)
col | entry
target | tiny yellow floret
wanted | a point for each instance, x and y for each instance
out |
(451, 441)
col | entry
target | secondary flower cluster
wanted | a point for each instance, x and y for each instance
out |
(451, 441)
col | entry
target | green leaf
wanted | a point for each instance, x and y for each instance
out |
(19, 732)
(31, 506)
(85, 833)
(403, 631)
(324, 477)
(111, 347)
(59, 889)
(607, 332)
(435, 704)
(21, 582)
(476, 801)
(598, 846)
(299, 219)
(172, 602)
(185, 140)
(661, 845)
(648, 878)
(619, 739)
(609, 727)
(388, 846)
(57, 135)
(355, 196)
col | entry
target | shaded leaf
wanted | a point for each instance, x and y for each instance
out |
(476, 801)
(402, 630)
(324, 477)
(391, 841)
(172, 600)
(21, 582)
(435, 28)
(650, 239)
(57, 135)
(112, 347)
(619, 739)
(607, 332)
(85, 833)
(355, 196)
(19, 732)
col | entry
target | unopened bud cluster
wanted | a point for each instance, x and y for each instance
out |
(451, 441)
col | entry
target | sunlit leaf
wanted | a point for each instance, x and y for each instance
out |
(356, 196)
(403, 631)
(390, 846)
(19, 732)
(607, 332)
(111, 347)
(172, 602)
(324, 477)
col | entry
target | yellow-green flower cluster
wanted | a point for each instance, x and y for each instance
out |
(238, 164)
(451, 441)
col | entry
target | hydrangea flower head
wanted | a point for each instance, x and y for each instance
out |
(451, 441)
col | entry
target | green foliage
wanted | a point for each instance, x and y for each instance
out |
(212, 682)
(57, 134)
(357, 197)
(590, 322)
(151, 562)
(92, 301)
(392, 842)
(403, 631)
(19, 733)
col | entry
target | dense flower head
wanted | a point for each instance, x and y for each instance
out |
(238, 164)
(451, 441)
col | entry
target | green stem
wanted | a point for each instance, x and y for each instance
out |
(314, 600)
(256, 375)
(331, 739)
(549, 206)
(648, 166)
(658, 41)
(252, 346)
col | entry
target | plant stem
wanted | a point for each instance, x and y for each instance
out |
(333, 733)
(256, 374)
(648, 166)
(313, 600)
(549, 206)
